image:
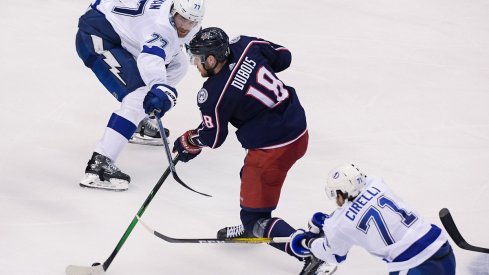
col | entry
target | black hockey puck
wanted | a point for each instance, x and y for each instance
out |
(95, 264)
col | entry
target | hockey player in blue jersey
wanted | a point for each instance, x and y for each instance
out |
(372, 217)
(134, 47)
(242, 89)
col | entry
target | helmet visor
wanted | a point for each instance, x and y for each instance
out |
(195, 59)
(330, 193)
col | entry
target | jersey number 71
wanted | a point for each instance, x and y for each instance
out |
(373, 215)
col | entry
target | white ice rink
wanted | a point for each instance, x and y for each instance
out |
(400, 88)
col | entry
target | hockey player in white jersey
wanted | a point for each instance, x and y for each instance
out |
(134, 47)
(372, 217)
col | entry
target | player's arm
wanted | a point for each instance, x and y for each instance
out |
(320, 241)
(214, 127)
(151, 61)
(212, 131)
(278, 56)
(190, 144)
(162, 96)
(177, 69)
(325, 249)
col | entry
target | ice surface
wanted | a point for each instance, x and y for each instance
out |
(401, 88)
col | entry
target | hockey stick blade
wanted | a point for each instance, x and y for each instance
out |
(451, 228)
(243, 240)
(84, 270)
(177, 178)
(164, 138)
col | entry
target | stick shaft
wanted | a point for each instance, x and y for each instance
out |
(247, 240)
(139, 214)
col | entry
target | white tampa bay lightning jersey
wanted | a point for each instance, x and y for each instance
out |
(384, 225)
(148, 32)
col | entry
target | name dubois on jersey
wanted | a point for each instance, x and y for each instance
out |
(243, 73)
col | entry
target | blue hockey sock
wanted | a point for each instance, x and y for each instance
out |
(277, 227)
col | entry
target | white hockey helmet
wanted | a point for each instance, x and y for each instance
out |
(192, 10)
(345, 178)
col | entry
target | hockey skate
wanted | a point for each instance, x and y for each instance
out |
(102, 173)
(148, 133)
(315, 266)
(236, 231)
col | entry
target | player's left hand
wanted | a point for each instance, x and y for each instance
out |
(160, 99)
(316, 223)
(186, 147)
(300, 242)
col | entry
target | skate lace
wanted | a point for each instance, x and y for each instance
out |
(310, 266)
(325, 268)
(148, 122)
(313, 265)
(307, 262)
(106, 163)
(235, 231)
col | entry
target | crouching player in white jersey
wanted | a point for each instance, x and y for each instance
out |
(134, 47)
(371, 216)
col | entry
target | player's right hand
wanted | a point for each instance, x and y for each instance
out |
(300, 242)
(187, 149)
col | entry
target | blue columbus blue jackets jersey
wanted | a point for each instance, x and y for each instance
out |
(248, 94)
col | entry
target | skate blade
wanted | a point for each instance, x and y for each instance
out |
(93, 181)
(327, 269)
(142, 140)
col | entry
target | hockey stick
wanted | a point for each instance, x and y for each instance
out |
(449, 224)
(168, 155)
(97, 268)
(247, 240)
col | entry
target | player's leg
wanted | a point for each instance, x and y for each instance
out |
(117, 71)
(441, 263)
(148, 133)
(262, 177)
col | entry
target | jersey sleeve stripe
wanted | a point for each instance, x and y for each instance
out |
(154, 51)
(419, 245)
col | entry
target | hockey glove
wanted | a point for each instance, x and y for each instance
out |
(160, 99)
(316, 223)
(186, 146)
(300, 243)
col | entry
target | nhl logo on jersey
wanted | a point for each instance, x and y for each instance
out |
(234, 40)
(202, 96)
